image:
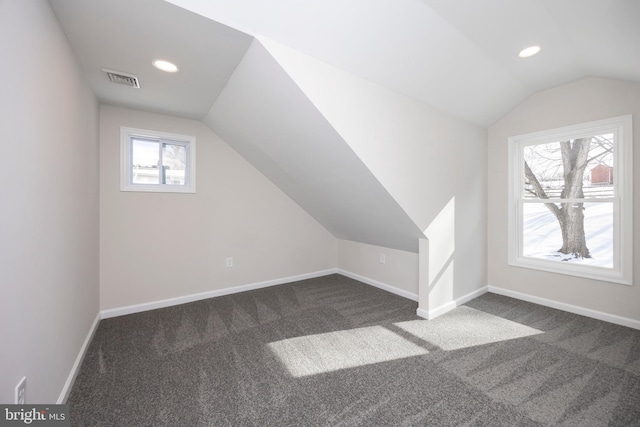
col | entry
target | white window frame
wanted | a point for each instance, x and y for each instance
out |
(622, 269)
(128, 134)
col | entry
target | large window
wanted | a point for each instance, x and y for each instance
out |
(155, 161)
(570, 200)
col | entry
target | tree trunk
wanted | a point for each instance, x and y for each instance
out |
(571, 219)
(570, 216)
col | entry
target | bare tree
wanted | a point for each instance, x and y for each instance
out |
(574, 156)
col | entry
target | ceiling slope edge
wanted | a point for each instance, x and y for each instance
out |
(411, 148)
(266, 118)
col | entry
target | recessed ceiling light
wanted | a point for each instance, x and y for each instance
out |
(530, 51)
(165, 66)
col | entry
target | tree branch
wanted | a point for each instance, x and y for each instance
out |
(607, 148)
(538, 190)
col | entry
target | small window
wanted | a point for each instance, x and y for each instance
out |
(570, 200)
(155, 161)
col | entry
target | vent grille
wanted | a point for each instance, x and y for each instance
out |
(121, 78)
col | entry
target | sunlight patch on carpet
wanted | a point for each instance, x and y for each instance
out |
(332, 351)
(466, 327)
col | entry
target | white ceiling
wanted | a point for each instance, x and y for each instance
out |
(456, 55)
(459, 56)
(580, 38)
(126, 36)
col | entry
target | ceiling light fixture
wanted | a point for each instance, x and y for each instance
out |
(165, 66)
(530, 51)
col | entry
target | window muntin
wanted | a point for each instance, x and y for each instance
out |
(155, 161)
(580, 177)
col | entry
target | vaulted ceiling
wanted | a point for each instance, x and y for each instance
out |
(459, 56)
(456, 56)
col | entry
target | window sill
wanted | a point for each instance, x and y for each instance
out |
(146, 188)
(588, 272)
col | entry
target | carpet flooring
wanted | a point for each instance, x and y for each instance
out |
(332, 351)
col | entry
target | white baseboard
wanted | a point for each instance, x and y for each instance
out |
(439, 311)
(138, 308)
(611, 318)
(444, 308)
(71, 378)
(379, 285)
(422, 313)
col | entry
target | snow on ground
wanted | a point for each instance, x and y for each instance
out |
(542, 237)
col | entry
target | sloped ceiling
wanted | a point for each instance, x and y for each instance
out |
(126, 36)
(459, 56)
(271, 123)
(456, 56)
(580, 38)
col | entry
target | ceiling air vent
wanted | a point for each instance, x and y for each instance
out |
(122, 78)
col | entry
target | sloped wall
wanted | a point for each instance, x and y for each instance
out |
(432, 164)
(266, 118)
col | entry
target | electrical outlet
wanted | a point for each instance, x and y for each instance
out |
(21, 392)
(229, 262)
(383, 258)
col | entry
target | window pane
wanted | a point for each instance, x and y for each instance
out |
(145, 157)
(174, 162)
(542, 236)
(545, 167)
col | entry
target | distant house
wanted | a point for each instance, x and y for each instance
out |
(602, 175)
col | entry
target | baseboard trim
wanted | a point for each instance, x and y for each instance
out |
(444, 308)
(599, 315)
(422, 313)
(138, 308)
(379, 285)
(73, 374)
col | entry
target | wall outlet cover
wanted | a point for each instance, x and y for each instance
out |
(21, 392)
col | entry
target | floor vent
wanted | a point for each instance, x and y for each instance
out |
(121, 78)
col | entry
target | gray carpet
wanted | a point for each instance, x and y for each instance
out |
(335, 352)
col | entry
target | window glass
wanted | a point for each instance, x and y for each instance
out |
(145, 159)
(542, 234)
(174, 162)
(156, 162)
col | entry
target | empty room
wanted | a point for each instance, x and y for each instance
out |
(320, 213)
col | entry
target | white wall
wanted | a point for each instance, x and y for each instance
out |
(49, 193)
(156, 246)
(582, 101)
(432, 164)
(399, 270)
